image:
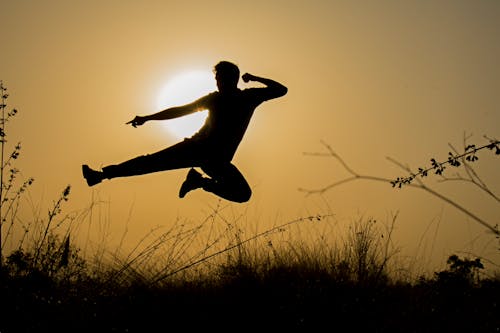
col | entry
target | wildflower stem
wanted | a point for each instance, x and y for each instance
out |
(2, 143)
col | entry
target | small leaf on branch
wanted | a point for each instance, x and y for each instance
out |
(470, 147)
(422, 172)
(453, 160)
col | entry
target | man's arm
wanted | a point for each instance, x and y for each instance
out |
(275, 89)
(170, 113)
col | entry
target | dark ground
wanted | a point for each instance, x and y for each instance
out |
(245, 303)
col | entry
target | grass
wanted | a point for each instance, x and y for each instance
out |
(216, 275)
(275, 279)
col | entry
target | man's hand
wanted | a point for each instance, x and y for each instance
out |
(137, 121)
(248, 77)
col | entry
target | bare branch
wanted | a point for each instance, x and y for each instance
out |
(408, 181)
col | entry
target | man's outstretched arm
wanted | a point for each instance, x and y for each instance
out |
(275, 89)
(170, 113)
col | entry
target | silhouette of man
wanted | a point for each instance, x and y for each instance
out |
(212, 148)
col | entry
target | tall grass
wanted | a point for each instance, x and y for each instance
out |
(222, 273)
(203, 250)
(304, 273)
(34, 245)
(10, 191)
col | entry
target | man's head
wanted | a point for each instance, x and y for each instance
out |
(227, 75)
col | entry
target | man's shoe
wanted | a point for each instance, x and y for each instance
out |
(93, 177)
(193, 181)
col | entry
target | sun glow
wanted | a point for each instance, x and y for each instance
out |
(185, 88)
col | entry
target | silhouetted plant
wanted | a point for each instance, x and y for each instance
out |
(236, 243)
(455, 159)
(9, 194)
(39, 249)
(56, 260)
(47, 254)
(39, 243)
(460, 272)
(366, 253)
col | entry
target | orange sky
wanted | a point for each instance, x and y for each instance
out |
(371, 78)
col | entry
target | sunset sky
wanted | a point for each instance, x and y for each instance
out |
(373, 79)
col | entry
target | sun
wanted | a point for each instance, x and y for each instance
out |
(181, 89)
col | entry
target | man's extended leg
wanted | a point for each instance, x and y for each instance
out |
(182, 155)
(226, 181)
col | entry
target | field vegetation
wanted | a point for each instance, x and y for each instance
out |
(216, 274)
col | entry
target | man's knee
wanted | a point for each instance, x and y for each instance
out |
(243, 195)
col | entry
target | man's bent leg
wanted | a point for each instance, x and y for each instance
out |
(227, 182)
